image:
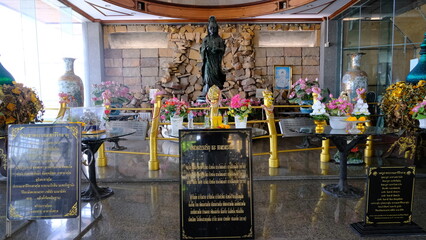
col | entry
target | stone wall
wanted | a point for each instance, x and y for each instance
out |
(176, 68)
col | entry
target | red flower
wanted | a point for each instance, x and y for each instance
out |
(355, 149)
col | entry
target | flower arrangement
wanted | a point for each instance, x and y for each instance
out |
(361, 107)
(419, 111)
(110, 92)
(319, 112)
(339, 106)
(19, 105)
(399, 100)
(199, 113)
(302, 90)
(240, 107)
(174, 107)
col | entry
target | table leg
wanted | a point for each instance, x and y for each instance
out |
(343, 189)
(93, 191)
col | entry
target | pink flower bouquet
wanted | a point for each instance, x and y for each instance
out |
(240, 107)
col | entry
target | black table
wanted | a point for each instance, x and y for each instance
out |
(344, 142)
(90, 145)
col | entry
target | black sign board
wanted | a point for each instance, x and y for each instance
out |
(390, 195)
(43, 171)
(216, 196)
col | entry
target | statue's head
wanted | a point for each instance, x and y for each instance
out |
(213, 28)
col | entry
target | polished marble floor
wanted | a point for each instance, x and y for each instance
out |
(288, 201)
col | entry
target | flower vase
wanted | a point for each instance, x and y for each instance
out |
(240, 122)
(354, 77)
(115, 105)
(337, 123)
(306, 109)
(319, 126)
(422, 123)
(71, 84)
(176, 123)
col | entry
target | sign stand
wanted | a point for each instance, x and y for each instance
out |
(216, 196)
(389, 203)
(43, 180)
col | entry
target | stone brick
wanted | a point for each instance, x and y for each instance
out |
(113, 53)
(273, 52)
(149, 72)
(113, 72)
(293, 61)
(165, 52)
(271, 71)
(149, 52)
(164, 62)
(310, 70)
(114, 62)
(149, 81)
(131, 53)
(131, 72)
(260, 61)
(310, 61)
(310, 51)
(271, 61)
(114, 79)
(293, 52)
(295, 77)
(132, 81)
(264, 71)
(131, 62)
(136, 28)
(296, 70)
(260, 52)
(149, 62)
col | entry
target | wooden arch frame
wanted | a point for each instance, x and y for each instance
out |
(222, 12)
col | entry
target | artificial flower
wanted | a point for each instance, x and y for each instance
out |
(240, 107)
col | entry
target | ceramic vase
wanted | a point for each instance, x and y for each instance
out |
(240, 122)
(176, 123)
(72, 84)
(354, 77)
(306, 109)
(337, 123)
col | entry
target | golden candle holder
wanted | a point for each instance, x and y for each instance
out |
(360, 126)
(320, 124)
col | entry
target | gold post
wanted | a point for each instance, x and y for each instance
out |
(62, 108)
(268, 101)
(368, 152)
(102, 159)
(325, 153)
(153, 163)
(213, 95)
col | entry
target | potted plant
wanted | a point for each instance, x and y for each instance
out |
(419, 113)
(301, 93)
(319, 112)
(111, 94)
(174, 110)
(339, 109)
(239, 108)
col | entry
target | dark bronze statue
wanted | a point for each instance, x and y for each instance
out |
(212, 51)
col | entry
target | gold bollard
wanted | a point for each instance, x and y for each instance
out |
(273, 142)
(102, 159)
(325, 153)
(273, 171)
(368, 151)
(324, 166)
(153, 163)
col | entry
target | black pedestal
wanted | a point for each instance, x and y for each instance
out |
(365, 230)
